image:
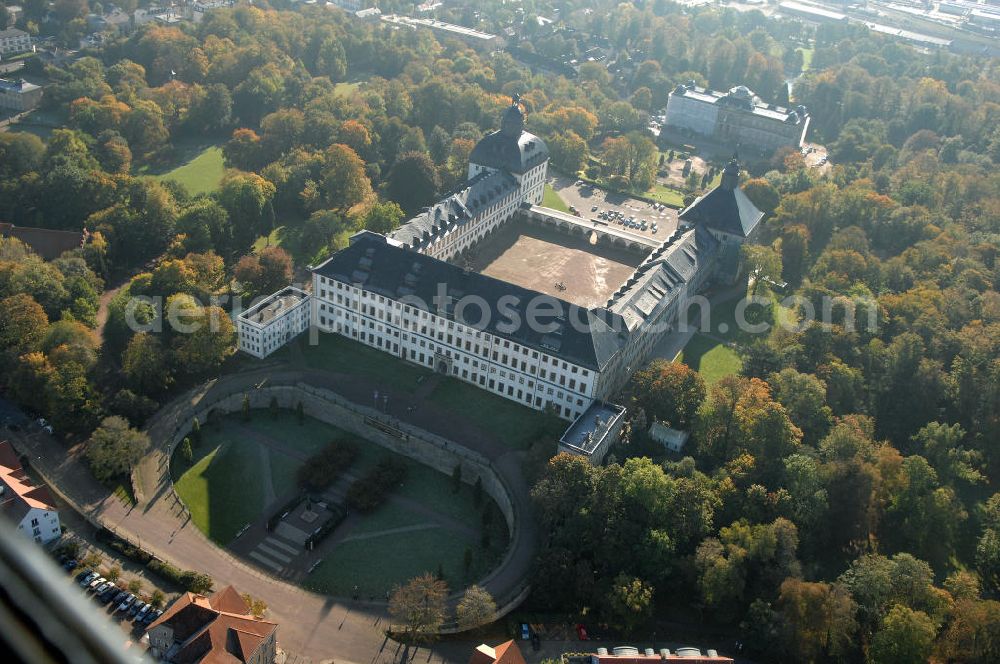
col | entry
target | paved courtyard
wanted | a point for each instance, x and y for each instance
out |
(555, 263)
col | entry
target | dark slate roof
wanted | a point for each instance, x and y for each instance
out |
(663, 275)
(460, 206)
(503, 152)
(725, 209)
(579, 335)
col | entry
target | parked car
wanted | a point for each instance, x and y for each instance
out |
(141, 613)
(136, 608)
(96, 582)
(151, 616)
(109, 594)
(126, 603)
(86, 577)
(119, 597)
(71, 564)
(100, 590)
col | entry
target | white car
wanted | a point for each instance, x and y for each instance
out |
(142, 612)
(96, 582)
(127, 602)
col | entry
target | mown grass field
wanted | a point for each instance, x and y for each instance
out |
(711, 358)
(201, 174)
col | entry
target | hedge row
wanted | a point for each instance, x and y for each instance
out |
(188, 580)
(287, 507)
(322, 468)
(370, 491)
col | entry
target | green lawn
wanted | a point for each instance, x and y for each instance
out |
(379, 564)
(201, 174)
(274, 239)
(552, 199)
(711, 358)
(346, 89)
(807, 58)
(223, 488)
(666, 195)
(519, 425)
(339, 354)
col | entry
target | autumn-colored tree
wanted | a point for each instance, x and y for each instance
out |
(419, 606)
(671, 392)
(344, 182)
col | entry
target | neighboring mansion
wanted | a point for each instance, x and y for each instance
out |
(19, 95)
(399, 294)
(13, 41)
(736, 118)
(30, 508)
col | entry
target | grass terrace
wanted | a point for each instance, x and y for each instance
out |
(519, 425)
(552, 199)
(338, 354)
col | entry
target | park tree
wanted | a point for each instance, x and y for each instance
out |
(818, 619)
(671, 392)
(419, 606)
(257, 606)
(114, 448)
(568, 151)
(187, 453)
(794, 253)
(265, 272)
(247, 197)
(382, 217)
(906, 637)
(22, 324)
(344, 183)
(630, 603)
(762, 194)
(745, 562)
(804, 398)
(942, 446)
(202, 337)
(146, 365)
(762, 264)
(476, 608)
(413, 181)
(205, 225)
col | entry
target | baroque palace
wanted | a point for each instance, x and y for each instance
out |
(407, 294)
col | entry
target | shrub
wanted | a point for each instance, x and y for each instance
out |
(367, 493)
(322, 468)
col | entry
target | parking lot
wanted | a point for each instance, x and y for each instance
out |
(616, 209)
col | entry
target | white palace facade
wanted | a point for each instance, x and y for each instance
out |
(399, 294)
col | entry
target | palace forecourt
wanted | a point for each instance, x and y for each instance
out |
(491, 289)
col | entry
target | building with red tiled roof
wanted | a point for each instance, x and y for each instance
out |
(505, 653)
(31, 508)
(46, 242)
(212, 630)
